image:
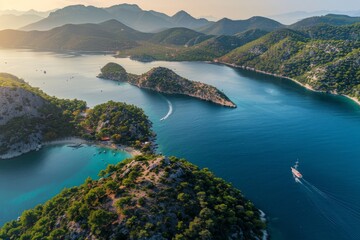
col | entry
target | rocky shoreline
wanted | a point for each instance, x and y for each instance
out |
(35, 146)
(307, 86)
(166, 81)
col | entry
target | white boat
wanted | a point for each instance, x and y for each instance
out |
(296, 173)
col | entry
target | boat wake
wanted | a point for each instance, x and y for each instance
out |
(169, 112)
(342, 215)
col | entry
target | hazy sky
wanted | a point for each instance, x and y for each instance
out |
(217, 8)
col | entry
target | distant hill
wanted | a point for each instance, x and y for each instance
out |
(227, 26)
(331, 19)
(179, 36)
(293, 17)
(182, 18)
(199, 48)
(329, 32)
(130, 15)
(108, 36)
(11, 21)
(77, 14)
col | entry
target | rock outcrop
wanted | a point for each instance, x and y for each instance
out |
(166, 81)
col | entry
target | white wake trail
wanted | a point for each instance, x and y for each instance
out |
(169, 112)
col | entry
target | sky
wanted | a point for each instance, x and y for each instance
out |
(236, 9)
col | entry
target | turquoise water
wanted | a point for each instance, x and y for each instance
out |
(35, 177)
(253, 146)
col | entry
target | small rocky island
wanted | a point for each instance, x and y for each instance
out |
(147, 197)
(166, 81)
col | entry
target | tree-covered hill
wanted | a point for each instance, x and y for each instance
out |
(330, 19)
(166, 81)
(227, 26)
(108, 36)
(178, 36)
(330, 65)
(148, 197)
(201, 48)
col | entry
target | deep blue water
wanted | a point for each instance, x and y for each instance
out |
(253, 146)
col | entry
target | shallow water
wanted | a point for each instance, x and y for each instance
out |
(253, 146)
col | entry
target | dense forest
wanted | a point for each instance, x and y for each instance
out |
(148, 196)
(318, 57)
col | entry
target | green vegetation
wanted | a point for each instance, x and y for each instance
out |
(329, 19)
(227, 26)
(178, 36)
(199, 50)
(43, 118)
(122, 123)
(323, 61)
(148, 196)
(166, 81)
(53, 118)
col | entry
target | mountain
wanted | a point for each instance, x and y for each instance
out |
(331, 19)
(293, 17)
(324, 62)
(10, 21)
(227, 26)
(166, 81)
(182, 18)
(178, 36)
(146, 197)
(200, 47)
(129, 14)
(135, 17)
(77, 14)
(107, 36)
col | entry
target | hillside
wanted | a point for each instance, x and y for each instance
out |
(40, 117)
(76, 14)
(149, 197)
(227, 26)
(200, 48)
(108, 36)
(131, 15)
(184, 19)
(324, 65)
(178, 36)
(330, 19)
(164, 80)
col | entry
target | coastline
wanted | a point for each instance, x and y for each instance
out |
(73, 140)
(307, 86)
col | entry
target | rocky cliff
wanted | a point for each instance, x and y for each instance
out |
(28, 117)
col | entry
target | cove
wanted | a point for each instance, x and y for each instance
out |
(253, 146)
(35, 177)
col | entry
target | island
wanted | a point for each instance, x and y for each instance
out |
(146, 197)
(42, 119)
(166, 81)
